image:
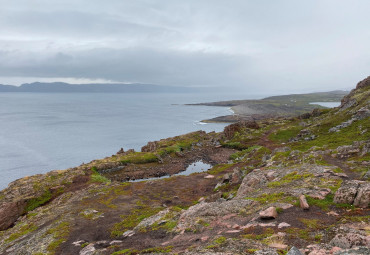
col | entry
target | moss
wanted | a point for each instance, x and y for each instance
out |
(157, 250)
(237, 156)
(332, 140)
(33, 203)
(266, 233)
(289, 178)
(219, 168)
(217, 242)
(326, 203)
(284, 135)
(279, 210)
(274, 197)
(299, 233)
(84, 245)
(139, 158)
(311, 223)
(99, 178)
(60, 234)
(23, 230)
(125, 251)
(131, 220)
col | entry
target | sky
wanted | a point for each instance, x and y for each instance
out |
(241, 45)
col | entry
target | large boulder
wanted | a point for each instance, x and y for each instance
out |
(363, 195)
(10, 212)
(251, 181)
(354, 192)
(230, 130)
(346, 194)
(349, 240)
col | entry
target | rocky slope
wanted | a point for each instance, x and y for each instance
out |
(285, 105)
(277, 186)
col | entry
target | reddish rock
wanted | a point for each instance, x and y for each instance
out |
(230, 130)
(269, 213)
(10, 212)
(150, 147)
(303, 202)
(236, 177)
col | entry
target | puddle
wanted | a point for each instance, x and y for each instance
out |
(195, 167)
(327, 104)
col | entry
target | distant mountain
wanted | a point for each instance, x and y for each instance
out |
(61, 87)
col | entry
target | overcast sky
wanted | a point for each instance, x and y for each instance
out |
(260, 45)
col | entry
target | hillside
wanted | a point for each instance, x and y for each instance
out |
(284, 105)
(61, 87)
(282, 185)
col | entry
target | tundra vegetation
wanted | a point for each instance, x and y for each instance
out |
(276, 184)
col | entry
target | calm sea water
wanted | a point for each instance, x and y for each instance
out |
(40, 132)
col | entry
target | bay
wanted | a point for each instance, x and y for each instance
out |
(40, 132)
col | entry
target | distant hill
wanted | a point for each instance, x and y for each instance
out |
(61, 87)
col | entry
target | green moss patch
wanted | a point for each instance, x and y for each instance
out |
(33, 203)
(60, 234)
(23, 230)
(134, 218)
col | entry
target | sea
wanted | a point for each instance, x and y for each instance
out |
(40, 132)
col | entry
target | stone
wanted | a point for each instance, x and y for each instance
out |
(204, 238)
(362, 198)
(128, 233)
(226, 178)
(354, 251)
(294, 251)
(10, 212)
(346, 194)
(266, 251)
(115, 242)
(279, 246)
(269, 213)
(303, 202)
(283, 225)
(332, 213)
(236, 176)
(88, 250)
(349, 240)
(254, 179)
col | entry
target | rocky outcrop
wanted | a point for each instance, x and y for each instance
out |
(150, 147)
(354, 192)
(230, 130)
(251, 181)
(10, 212)
(350, 240)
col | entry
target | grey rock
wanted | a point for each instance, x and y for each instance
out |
(347, 192)
(363, 195)
(348, 240)
(88, 250)
(268, 251)
(294, 251)
(355, 251)
(251, 181)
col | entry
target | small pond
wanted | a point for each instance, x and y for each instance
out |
(327, 104)
(195, 167)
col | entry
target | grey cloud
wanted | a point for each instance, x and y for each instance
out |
(284, 45)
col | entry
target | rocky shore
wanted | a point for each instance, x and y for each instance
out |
(277, 185)
(270, 107)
